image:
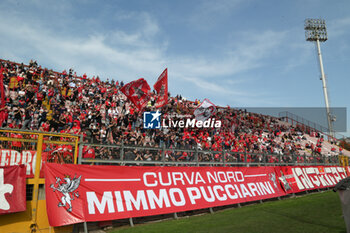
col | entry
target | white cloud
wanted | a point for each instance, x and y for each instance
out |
(128, 55)
(239, 57)
(92, 53)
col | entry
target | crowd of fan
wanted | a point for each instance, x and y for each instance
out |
(40, 99)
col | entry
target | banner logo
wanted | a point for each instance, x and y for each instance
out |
(151, 120)
(272, 177)
(285, 183)
(68, 190)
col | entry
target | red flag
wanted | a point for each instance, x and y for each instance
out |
(138, 92)
(2, 91)
(161, 86)
(13, 189)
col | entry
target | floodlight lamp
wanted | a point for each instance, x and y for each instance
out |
(315, 29)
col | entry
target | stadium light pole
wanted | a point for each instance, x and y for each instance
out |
(315, 30)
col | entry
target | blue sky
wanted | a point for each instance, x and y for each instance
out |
(234, 52)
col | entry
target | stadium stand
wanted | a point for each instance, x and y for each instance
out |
(44, 100)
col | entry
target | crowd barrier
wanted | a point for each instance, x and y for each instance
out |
(127, 155)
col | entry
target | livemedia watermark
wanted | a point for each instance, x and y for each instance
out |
(153, 120)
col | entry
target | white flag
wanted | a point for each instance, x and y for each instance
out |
(205, 110)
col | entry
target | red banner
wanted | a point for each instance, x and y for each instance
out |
(78, 193)
(13, 157)
(138, 92)
(12, 189)
(297, 179)
(161, 86)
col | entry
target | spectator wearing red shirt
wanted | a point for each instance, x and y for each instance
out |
(76, 127)
(88, 152)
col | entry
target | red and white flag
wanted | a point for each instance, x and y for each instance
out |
(161, 86)
(12, 189)
(205, 110)
(138, 92)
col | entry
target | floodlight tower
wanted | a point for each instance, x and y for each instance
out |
(315, 30)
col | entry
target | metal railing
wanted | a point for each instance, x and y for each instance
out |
(162, 156)
(294, 120)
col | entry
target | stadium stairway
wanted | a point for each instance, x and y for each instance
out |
(327, 146)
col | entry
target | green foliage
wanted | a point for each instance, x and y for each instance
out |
(344, 145)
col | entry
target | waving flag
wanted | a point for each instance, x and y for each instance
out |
(138, 92)
(205, 110)
(161, 86)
